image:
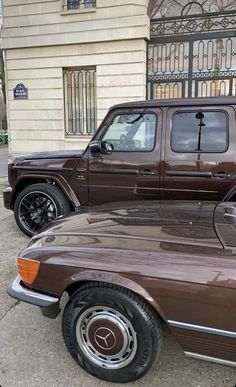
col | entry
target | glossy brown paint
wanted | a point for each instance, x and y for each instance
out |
(199, 175)
(203, 343)
(125, 175)
(177, 266)
(50, 167)
(87, 178)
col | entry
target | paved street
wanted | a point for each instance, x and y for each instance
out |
(32, 352)
(3, 161)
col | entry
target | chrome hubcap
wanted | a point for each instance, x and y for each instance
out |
(106, 337)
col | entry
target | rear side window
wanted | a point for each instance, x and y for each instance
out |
(200, 131)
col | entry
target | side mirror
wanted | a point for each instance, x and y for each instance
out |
(95, 146)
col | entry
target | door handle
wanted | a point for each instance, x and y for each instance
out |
(147, 172)
(222, 175)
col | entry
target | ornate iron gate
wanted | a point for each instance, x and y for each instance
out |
(192, 56)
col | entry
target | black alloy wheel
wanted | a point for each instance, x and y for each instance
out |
(38, 205)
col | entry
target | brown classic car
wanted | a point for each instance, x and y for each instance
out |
(130, 269)
(146, 150)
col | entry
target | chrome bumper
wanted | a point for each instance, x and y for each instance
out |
(49, 305)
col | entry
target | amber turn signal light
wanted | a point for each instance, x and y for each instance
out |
(28, 270)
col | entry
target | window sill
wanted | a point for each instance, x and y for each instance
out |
(74, 11)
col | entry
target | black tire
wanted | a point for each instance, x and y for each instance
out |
(91, 325)
(37, 205)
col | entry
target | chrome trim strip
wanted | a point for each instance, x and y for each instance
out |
(186, 190)
(211, 359)
(203, 329)
(16, 290)
(8, 189)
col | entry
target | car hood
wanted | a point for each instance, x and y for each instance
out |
(49, 155)
(139, 220)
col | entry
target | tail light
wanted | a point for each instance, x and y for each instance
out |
(28, 270)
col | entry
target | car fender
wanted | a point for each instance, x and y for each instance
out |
(114, 279)
(60, 181)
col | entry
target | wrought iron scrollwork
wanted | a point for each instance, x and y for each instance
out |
(213, 22)
(194, 53)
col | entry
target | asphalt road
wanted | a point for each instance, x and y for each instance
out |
(3, 160)
(32, 352)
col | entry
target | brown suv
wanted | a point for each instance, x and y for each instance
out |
(174, 149)
(130, 269)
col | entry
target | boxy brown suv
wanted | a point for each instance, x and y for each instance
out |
(174, 149)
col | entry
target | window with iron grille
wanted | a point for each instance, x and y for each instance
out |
(80, 101)
(78, 4)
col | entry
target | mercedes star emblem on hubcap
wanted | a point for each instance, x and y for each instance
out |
(105, 338)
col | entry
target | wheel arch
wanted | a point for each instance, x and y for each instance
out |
(27, 180)
(119, 281)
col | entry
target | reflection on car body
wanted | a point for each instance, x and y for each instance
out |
(179, 149)
(130, 268)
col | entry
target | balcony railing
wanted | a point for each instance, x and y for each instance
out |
(78, 4)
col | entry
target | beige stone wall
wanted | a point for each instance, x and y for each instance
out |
(40, 40)
(38, 123)
(42, 22)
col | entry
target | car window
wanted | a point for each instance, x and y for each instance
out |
(199, 131)
(131, 132)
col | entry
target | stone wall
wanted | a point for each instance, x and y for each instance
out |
(40, 40)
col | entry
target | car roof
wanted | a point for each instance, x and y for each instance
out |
(177, 102)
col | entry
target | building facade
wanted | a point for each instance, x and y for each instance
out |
(67, 61)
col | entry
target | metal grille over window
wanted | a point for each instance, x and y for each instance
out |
(80, 101)
(79, 4)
